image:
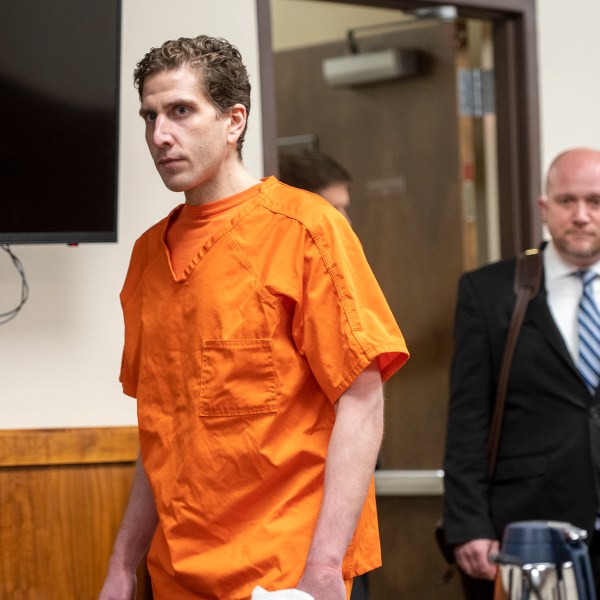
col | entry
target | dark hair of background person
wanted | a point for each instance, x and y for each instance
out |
(310, 170)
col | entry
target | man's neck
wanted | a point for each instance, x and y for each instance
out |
(228, 182)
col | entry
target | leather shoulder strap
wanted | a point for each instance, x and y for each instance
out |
(528, 278)
(528, 273)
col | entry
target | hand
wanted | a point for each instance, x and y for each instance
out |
(119, 585)
(323, 583)
(472, 558)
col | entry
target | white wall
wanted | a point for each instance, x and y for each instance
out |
(326, 21)
(569, 51)
(60, 357)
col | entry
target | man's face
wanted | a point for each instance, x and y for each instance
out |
(338, 195)
(189, 139)
(571, 209)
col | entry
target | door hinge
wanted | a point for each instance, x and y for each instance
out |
(476, 92)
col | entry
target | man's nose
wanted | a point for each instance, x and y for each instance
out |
(161, 134)
(582, 214)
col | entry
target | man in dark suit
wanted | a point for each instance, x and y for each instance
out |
(548, 464)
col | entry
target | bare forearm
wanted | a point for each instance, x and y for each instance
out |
(351, 459)
(133, 540)
(139, 523)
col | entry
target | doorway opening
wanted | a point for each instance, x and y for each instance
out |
(440, 184)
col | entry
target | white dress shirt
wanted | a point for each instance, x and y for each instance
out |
(564, 290)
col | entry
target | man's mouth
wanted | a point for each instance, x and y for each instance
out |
(580, 234)
(168, 160)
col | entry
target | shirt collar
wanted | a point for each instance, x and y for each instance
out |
(556, 267)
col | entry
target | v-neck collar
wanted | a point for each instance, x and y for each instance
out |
(246, 206)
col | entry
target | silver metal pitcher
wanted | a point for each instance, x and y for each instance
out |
(543, 560)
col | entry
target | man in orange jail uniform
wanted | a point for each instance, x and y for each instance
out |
(256, 343)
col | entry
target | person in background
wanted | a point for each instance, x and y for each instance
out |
(548, 464)
(257, 341)
(316, 172)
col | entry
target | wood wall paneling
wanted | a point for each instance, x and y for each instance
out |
(62, 496)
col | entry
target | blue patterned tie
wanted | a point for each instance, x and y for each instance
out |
(589, 333)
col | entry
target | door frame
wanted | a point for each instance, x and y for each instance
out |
(517, 105)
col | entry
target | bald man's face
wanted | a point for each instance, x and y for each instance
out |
(571, 209)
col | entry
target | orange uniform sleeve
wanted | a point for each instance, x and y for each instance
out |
(343, 322)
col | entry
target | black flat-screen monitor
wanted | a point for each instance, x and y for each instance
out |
(59, 105)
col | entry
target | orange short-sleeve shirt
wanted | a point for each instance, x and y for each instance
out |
(236, 367)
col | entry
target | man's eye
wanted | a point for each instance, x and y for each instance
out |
(564, 199)
(181, 111)
(150, 117)
(594, 201)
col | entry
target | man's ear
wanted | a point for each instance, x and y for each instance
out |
(237, 122)
(542, 203)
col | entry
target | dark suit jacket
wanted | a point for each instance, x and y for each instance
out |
(549, 455)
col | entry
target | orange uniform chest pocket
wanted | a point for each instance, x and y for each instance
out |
(238, 378)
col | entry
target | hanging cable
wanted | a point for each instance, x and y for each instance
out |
(11, 314)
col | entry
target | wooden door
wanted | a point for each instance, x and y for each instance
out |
(401, 141)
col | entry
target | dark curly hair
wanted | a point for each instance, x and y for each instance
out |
(221, 72)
